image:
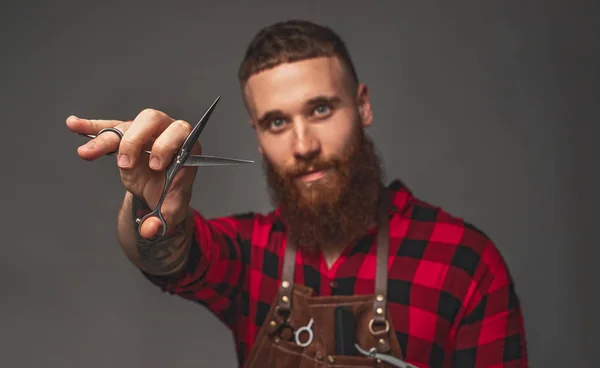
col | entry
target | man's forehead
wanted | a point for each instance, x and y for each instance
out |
(296, 82)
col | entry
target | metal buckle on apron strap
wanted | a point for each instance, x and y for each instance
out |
(384, 357)
(280, 323)
(283, 311)
(379, 319)
(380, 332)
(280, 312)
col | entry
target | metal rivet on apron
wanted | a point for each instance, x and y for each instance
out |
(379, 311)
(276, 340)
(319, 356)
(331, 359)
(285, 284)
(378, 361)
(285, 299)
(382, 341)
(273, 323)
(379, 298)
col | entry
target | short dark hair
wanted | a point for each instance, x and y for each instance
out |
(289, 41)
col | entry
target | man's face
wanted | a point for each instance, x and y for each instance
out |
(309, 118)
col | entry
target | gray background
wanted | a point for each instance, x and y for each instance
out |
(487, 110)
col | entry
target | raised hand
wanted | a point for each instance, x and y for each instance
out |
(144, 175)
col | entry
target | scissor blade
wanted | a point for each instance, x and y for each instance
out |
(203, 160)
(195, 133)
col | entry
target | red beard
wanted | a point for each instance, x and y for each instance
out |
(335, 210)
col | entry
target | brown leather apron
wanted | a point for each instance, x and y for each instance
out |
(297, 307)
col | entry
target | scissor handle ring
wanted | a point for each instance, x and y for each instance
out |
(117, 132)
(155, 213)
(381, 332)
(307, 329)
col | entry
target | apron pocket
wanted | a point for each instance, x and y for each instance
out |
(286, 354)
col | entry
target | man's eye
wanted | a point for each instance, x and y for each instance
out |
(321, 109)
(277, 123)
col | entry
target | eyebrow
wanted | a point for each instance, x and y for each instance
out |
(330, 100)
(319, 100)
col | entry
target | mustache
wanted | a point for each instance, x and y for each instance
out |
(306, 167)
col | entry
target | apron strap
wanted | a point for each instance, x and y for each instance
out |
(283, 308)
(379, 325)
(284, 304)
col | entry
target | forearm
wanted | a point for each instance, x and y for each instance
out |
(165, 256)
(205, 260)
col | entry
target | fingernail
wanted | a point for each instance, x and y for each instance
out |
(154, 162)
(123, 160)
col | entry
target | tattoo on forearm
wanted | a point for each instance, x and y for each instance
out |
(159, 256)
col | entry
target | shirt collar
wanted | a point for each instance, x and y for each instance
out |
(400, 196)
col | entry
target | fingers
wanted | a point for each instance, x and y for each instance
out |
(89, 126)
(168, 143)
(147, 124)
(103, 144)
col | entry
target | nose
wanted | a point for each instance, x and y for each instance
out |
(306, 143)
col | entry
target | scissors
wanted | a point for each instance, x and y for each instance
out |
(384, 357)
(181, 159)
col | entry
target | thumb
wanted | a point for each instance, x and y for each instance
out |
(151, 227)
(171, 212)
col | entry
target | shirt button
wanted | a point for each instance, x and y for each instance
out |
(333, 284)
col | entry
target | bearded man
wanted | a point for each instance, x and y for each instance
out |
(371, 273)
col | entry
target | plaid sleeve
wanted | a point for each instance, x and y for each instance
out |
(213, 274)
(491, 333)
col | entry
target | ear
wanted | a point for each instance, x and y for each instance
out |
(364, 105)
(253, 124)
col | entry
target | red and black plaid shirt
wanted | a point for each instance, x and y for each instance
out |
(450, 295)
